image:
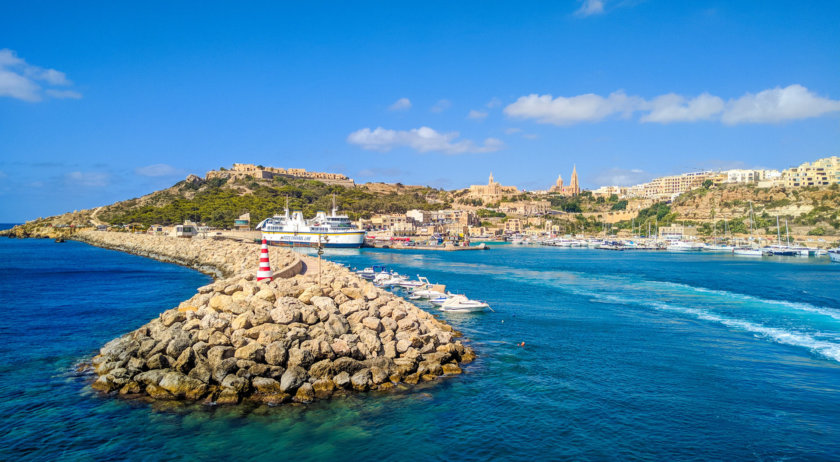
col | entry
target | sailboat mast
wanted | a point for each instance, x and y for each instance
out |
(779, 230)
(787, 231)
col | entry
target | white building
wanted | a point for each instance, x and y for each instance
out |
(749, 175)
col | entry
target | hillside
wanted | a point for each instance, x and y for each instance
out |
(218, 202)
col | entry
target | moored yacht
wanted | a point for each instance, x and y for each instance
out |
(684, 246)
(461, 303)
(750, 252)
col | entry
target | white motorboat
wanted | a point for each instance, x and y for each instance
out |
(460, 303)
(389, 280)
(683, 246)
(719, 248)
(834, 255)
(420, 282)
(750, 252)
(440, 299)
(372, 271)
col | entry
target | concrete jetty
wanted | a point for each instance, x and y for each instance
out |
(287, 340)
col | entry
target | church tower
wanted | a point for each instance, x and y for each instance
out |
(574, 185)
(559, 183)
(491, 179)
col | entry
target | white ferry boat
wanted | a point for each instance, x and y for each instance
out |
(333, 230)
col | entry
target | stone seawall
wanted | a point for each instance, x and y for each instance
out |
(290, 339)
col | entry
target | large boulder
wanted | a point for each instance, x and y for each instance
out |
(216, 354)
(322, 369)
(305, 394)
(181, 386)
(324, 303)
(223, 369)
(361, 380)
(265, 385)
(336, 326)
(323, 388)
(275, 354)
(342, 380)
(292, 379)
(349, 365)
(252, 351)
(300, 357)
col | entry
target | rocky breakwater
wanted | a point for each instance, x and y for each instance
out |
(220, 258)
(288, 340)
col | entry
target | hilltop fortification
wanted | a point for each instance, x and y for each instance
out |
(268, 173)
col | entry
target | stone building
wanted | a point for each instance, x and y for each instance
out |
(526, 208)
(492, 191)
(822, 172)
(573, 189)
(513, 226)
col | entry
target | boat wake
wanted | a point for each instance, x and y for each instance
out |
(817, 334)
(823, 348)
(825, 311)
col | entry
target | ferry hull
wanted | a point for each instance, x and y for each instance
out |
(331, 240)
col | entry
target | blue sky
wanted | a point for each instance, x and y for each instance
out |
(107, 101)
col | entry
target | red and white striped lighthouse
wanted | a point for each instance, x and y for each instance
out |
(264, 271)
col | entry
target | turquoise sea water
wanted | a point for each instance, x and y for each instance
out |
(628, 355)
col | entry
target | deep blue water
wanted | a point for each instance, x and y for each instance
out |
(628, 355)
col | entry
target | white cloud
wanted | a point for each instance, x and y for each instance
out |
(622, 177)
(20, 80)
(64, 94)
(158, 170)
(90, 179)
(476, 114)
(18, 86)
(590, 7)
(575, 109)
(769, 106)
(441, 106)
(423, 139)
(495, 102)
(402, 104)
(512, 131)
(777, 105)
(675, 108)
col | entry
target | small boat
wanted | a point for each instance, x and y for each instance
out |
(750, 252)
(440, 299)
(683, 246)
(372, 271)
(782, 251)
(611, 245)
(420, 282)
(834, 255)
(389, 280)
(460, 303)
(719, 248)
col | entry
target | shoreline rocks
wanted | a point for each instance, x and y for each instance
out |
(287, 340)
